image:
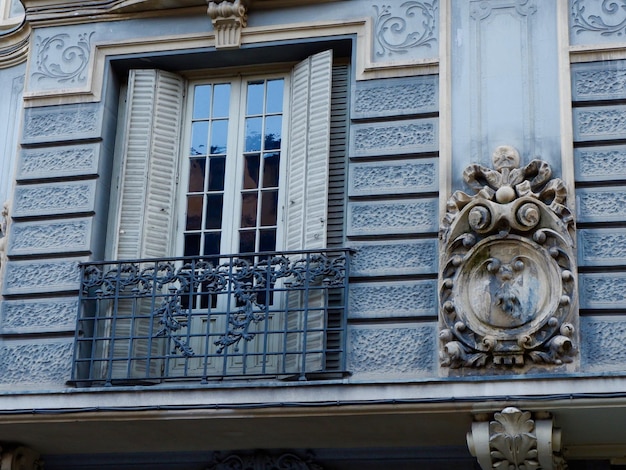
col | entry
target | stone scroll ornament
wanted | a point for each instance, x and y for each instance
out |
(507, 281)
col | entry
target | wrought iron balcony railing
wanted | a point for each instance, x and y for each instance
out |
(267, 314)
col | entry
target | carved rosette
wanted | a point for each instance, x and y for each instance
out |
(507, 280)
(229, 17)
(516, 441)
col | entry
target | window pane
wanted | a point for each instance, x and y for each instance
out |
(214, 211)
(216, 173)
(194, 212)
(246, 241)
(212, 243)
(267, 240)
(273, 129)
(221, 100)
(274, 96)
(253, 134)
(269, 208)
(196, 174)
(248, 210)
(251, 171)
(255, 98)
(201, 101)
(219, 136)
(199, 138)
(270, 170)
(192, 244)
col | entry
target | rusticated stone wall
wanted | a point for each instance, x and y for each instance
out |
(600, 168)
(58, 212)
(392, 220)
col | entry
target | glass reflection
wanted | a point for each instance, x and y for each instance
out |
(251, 171)
(255, 98)
(199, 138)
(248, 210)
(219, 136)
(194, 212)
(216, 173)
(273, 129)
(274, 96)
(201, 102)
(270, 169)
(221, 100)
(254, 128)
(214, 211)
(197, 167)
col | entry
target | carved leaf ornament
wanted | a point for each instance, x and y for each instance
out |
(507, 283)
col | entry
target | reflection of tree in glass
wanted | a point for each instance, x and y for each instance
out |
(214, 149)
(253, 142)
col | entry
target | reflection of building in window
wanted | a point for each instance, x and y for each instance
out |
(11, 15)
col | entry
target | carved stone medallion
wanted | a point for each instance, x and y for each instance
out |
(507, 281)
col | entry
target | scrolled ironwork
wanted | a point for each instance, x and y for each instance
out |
(172, 293)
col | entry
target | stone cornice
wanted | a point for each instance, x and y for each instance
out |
(55, 12)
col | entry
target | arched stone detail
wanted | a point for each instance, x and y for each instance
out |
(507, 277)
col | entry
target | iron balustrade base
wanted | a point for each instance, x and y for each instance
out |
(246, 316)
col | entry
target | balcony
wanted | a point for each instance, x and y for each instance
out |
(279, 315)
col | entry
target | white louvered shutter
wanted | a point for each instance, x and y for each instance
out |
(146, 202)
(307, 200)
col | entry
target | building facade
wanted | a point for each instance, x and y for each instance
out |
(304, 234)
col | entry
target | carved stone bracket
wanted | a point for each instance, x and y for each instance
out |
(19, 458)
(229, 17)
(507, 280)
(516, 441)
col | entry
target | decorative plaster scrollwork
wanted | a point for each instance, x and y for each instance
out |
(507, 283)
(516, 441)
(229, 17)
(611, 20)
(395, 34)
(260, 460)
(62, 60)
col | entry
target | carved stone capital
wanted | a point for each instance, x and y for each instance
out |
(229, 17)
(514, 440)
(19, 458)
(507, 280)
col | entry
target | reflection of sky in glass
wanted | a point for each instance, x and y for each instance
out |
(202, 102)
(219, 136)
(199, 137)
(253, 134)
(274, 96)
(273, 126)
(221, 100)
(255, 98)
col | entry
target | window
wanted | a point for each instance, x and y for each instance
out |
(251, 176)
(236, 130)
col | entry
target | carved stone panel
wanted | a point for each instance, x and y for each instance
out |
(507, 278)
(406, 31)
